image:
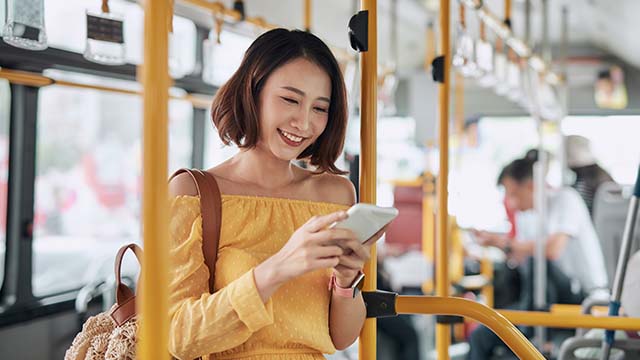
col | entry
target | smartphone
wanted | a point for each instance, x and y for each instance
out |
(366, 219)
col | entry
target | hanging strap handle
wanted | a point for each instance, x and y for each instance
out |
(211, 212)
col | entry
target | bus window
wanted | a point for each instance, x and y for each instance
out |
(5, 113)
(486, 146)
(88, 180)
(215, 152)
(614, 142)
(225, 57)
(66, 29)
(182, 48)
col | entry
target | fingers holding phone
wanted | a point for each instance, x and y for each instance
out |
(367, 223)
(376, 236)
(367, 220)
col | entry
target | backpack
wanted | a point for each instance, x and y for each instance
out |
(111, 335)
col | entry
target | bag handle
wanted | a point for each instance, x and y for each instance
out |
(123, 293)
(211, 212)
(125, 298)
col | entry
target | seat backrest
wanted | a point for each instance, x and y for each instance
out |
(406, 230)
(610, 207)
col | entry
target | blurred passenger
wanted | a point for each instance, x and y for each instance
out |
(571, 244)
(589, 175)
(531, 155)
(286, 286)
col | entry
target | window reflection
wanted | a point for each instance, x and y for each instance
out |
(89, 179)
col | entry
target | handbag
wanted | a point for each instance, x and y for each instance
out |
(111, 335)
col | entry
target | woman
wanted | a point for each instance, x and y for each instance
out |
(279, 269)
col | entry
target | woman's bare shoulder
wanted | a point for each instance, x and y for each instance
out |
(333, 188)
(182, 184)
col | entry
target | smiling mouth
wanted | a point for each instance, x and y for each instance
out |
(290, 139)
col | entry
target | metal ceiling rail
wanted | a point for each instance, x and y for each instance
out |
(520, 47)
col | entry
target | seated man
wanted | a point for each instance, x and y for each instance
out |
(571, 244)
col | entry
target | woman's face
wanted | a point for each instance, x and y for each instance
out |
(293, 108)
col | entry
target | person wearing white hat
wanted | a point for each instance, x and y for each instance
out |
(589, 175)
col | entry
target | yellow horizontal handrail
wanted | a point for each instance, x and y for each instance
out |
(511, 336)
(77, 85)
(260, 22)
(198, 101)
(25, 78)
(216, 8)
(577, 309)
(33, 79)
(539, 318)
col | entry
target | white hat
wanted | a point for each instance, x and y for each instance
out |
(579, 152)
(631, 287)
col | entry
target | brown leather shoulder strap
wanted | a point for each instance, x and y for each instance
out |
(211, 212)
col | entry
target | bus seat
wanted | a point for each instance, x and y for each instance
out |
(610, 207)
(406, 230)
(630, 348)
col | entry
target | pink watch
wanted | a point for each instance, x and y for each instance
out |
(349, 292)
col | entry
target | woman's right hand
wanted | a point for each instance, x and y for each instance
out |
(313, 246)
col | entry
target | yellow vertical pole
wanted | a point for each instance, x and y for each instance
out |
(458, 93)
(443, 335)
(430, 47)
(368, 155)
(155, 78)
(427, 217)
(428, 224)
(507, 10)
(486, 269)
(307, 15)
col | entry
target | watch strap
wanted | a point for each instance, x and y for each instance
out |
(348, 292)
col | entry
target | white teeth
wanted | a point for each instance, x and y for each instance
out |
(291, 137)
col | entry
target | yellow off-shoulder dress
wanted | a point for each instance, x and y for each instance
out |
(234, 323)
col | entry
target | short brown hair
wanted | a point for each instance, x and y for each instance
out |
(235, 110)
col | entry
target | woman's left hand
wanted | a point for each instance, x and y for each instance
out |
(355, 256)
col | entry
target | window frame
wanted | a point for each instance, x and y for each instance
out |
(17, 302)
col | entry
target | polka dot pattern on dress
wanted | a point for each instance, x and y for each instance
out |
(234, 322)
